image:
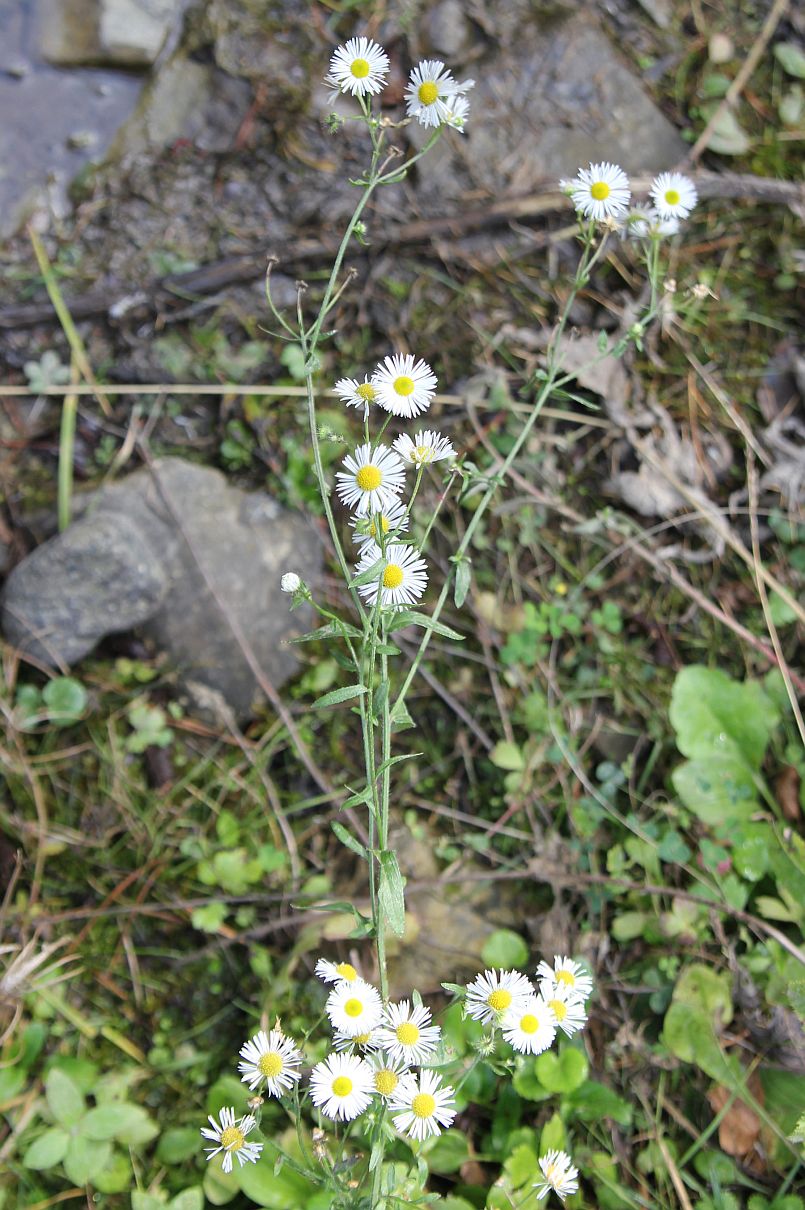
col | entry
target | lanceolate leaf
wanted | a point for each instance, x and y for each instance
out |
(390, 892)
(411, 617)
(335, 696)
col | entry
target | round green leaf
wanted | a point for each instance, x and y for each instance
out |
(285, 1190)
(219, 1187)
(447, 1152)
(563, 1073)
(86, 1159)
(65, 698)
(177, 1145)
(110, 1121)
(116, 1176)
(189, 1199)
(65, 1101)
(48, 1150)
(505, 949)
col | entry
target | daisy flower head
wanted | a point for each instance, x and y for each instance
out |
(393, 519)
(430, 92)
(456, 112)
(354, 1008)
(601, 191)
(356, 394)
(421, 1107)
(649, 224)
(271, 1057)
(359, 67)
(372, 480)
(673, 194)
(335, 972)
(406, 1032)
(493, 993)
(403, 579)
(355, 1043)
(405, 386)
(558, 1174)
(567, 973)
(230, 1137)
(568, 1008)
(342, 1086)
(530, 1026)
(388, 1071)
(425, 447)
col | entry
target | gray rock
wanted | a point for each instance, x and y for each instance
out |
(187, 559)
(448, 30)
(110, 33)
(550, 98)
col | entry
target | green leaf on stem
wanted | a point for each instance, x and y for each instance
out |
(411, 617)
(390, 893)
(348, 839)
(400, 718)
(335, 696)
(370, 576)
(395, 760)
(463, 579)
(333, 630)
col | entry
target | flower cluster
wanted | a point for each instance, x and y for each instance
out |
(432, 96)
(373, 479)
(530, 1016)
(602, 192)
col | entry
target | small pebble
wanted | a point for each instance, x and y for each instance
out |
(721, 48)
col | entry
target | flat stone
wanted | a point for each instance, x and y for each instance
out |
(551, 98)
(133, 32)
(447, 28)
(167, 108)
(187, 559)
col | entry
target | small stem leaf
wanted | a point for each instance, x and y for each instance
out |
(463, 580)
(370, 576)
(395, 760)
(345, 694)
(411, 617)
(400, 717)
(349, 840)
(391, 896)
(333, 630)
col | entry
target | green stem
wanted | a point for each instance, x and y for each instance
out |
(66, 447)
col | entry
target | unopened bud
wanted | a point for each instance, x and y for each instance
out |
(290, 582)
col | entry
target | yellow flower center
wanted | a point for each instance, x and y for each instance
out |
(672, 197)
(423, 1105)
(270, 1064)
(407, 1033)
(393, 576)
(529, 1024)
(366, 392)
(600, 191)
(342, 1086)
(423, 453)
(353, 1008)
(385, 1082)
(566, 977)
(384, 525)
(500, 1000)
(559, 1009)
(346, 971)
(428, 92)
(369, 478)
(359, 69)
(362, 1039)
(403, 385)
(550, 1173)
(232, 1139)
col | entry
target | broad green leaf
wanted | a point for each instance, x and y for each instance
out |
(447, 1152)
(219, 1187)
(345, 694)
(689, 1034)
(562, 1073)
(49, 1149)
(507, 755)
(117, 1121)
(390, 893)
(504, 949)
(278, 1190)
(712, 714)
(189, 1199)
(592, 1102)
(628, 925)
(791, 58)
(526, 1084)
(333, 630)
(718, 788)
(706, 989)
(117, 1176)
(177, 1144)
(227, 1090)
(411, 617)
(85, 1159)
(463, 581)
(65, 698)
(64, 1099)
(553, 1137)
(522, 1165)
(146, 1201)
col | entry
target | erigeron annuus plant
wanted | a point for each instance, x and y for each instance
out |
(388, 1073)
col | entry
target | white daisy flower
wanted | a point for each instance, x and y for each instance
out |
(456, 112)
(230, 1136)
(354, 1008)
(559, 1175)
(494, 992)
(271, 1057)
(406, 1032)
(601, 191)
(405, 387)
(649, 224)
(568, 1008)
(359, 67)
(393, 520)
(355, 1043)
(335, 972)
(342, 1086)
(372, 481)
(425, 447)
(529, 1027)
(403, 579)
(431, 91)
(388, 1071)
(356, 394)
(565, 971)
(673, 194)
(421, 1107)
